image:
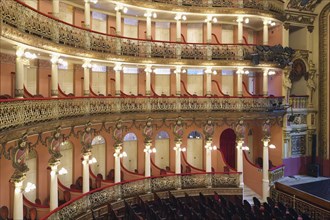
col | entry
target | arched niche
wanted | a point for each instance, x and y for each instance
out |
(31, 176)
(195, 149)
(66, 150)
(162, 145)
(99, 152)
(228, 146)
(130, 146)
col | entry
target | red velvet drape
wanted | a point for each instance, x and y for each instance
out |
(228, 146)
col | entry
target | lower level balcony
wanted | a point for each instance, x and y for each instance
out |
(18, 112)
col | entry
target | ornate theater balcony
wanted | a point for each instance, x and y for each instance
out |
(23, 24)
(15, 113)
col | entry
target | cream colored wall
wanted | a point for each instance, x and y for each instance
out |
(98, 151)
(66, 162)
(131, 148)
(195, 152)
(130, 85)
(162, 156)
(162, 84)
(195, 84)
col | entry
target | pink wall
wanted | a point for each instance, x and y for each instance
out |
(6, 78)
(274, 83)
(172, 84)
(142, 28)
(45, 6)
(78, 76)
(78, 17)
(44, 79)
(275, 35)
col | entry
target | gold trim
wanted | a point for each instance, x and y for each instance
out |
(323, 79)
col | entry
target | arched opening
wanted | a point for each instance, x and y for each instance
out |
(228, 146)
(130, 147)
(162, 145)
(66, 150)
(195, 149)
(98, 151)
(31, 175)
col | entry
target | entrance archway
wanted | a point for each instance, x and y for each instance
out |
(228, 146)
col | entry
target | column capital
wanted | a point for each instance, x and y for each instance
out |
(87, 64)
(118, 67)
(20, 51)
(148, 69)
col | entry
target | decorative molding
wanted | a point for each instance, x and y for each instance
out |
(299, 18)
(323, 79)
(303, 5)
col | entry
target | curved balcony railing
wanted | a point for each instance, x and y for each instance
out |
(18, 112)
(276, 6)
(31, 21)
(141, 186)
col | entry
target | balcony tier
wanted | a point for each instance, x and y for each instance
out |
(18, 113)
(28, 26)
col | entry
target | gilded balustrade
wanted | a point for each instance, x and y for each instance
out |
(300, 205)
(142, 186)
(298, 101)
(28, 20)
(23, 112)
(275, 174)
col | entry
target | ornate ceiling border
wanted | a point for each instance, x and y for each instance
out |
(323, 79)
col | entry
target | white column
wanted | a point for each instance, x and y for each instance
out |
(240, 30)
(53, 201)
(117, 165)
(87, 66)
(178, 30)
(147, 161)
(19, 73)
(87, 14)
(239, 84)
(239, 162)
(265, 32)
(117, 70)
(177, 158)
(208, 83)
(208, 157)
(85, 173)
(178, 80)
(285, 34)
(18, 201)
(148, 79)
(56, 8)
(265, 82)
(265, 168)
(148, 27)
(209, 31)
(54, 79)
(178, 37)
(118, 22)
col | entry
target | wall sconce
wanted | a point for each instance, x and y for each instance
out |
(149, 150)
(210, 18)
(121, 8)
(271, 72)
(272, 146)
(30, 55)
(180, 17)
(241, 71)
(120, 155)
(94, 1)
(179, 69)
(150, 14)
(209, 71)
(62, 171)
(243, 147)
(92, 161)
(209, 147)
(148, 69)
(182, 149)
(29, 187)
(118, 67)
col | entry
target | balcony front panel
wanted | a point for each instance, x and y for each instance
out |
(24, 112)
